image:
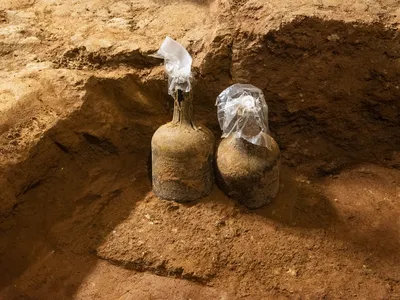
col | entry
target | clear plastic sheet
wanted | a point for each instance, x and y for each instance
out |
(243, 112)
(178, 64)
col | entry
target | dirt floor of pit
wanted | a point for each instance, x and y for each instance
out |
(80, 99)
(330, 237)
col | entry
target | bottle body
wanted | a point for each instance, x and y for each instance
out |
(248, 173)
(182, 162)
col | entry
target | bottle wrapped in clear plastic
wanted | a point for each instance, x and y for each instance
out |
(182, 151)
(247, 158)
(243, 113)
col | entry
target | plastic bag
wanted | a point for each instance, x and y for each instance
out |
(243, 112)
(178, 64)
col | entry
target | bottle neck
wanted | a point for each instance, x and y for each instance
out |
(183, 109)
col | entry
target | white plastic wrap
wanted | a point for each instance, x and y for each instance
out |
(178, 64)
(243, 112)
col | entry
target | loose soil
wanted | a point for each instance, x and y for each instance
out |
(80, 99)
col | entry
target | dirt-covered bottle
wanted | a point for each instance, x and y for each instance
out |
(246, 172)
(182, 155)
(248, 158)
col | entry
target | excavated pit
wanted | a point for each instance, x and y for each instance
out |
(80, 197)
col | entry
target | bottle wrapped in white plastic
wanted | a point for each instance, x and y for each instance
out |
(248, 157)
(182, 152)
(243, 113)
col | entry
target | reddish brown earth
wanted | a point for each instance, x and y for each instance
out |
(80, 100)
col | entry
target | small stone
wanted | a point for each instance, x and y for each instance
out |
(277, 271)
(333, 37)
(220, 223)
(292, 272)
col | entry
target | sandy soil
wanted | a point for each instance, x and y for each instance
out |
(80, 99)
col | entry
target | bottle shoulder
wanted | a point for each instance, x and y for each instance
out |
(174, 137)
(234, 154)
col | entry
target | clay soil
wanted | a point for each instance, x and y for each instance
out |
(80, 99)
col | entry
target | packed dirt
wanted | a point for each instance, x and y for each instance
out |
(80, 99)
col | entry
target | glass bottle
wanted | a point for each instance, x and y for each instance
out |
(182, 155)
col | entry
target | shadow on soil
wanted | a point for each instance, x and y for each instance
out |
(81, 180)
(299, 204)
